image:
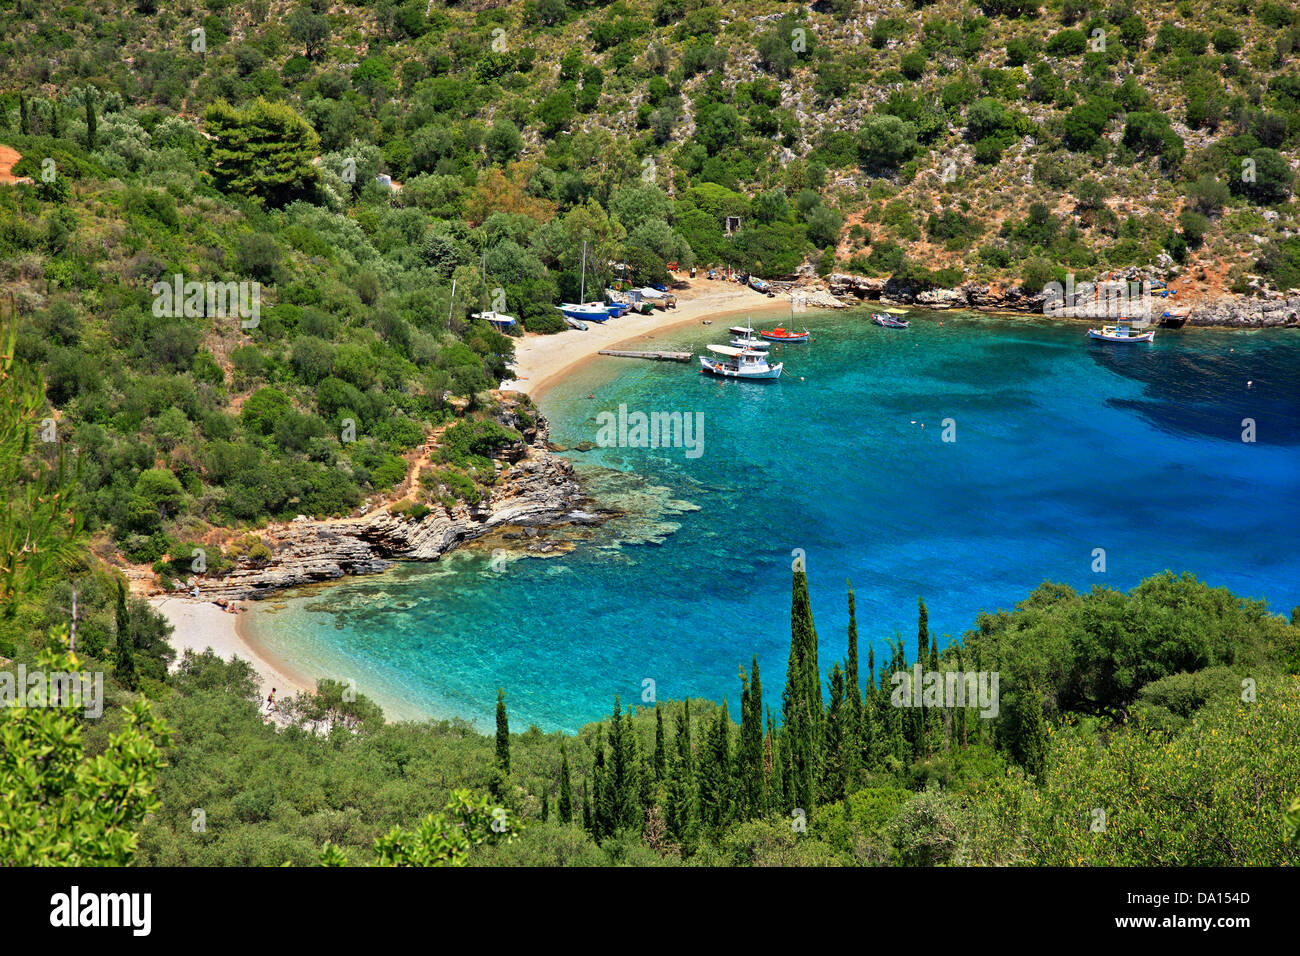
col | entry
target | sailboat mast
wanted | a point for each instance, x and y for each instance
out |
(582, 292)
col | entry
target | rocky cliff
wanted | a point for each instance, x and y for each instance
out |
(1235, 311)
(538, 488)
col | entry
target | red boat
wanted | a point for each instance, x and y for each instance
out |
(779, 334)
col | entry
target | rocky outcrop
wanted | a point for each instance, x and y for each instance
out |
(1239, 312)
(1235, 311)
(538, 490)
(969, 295)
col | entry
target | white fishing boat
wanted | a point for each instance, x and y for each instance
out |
(743, 337)
(1123, 332)
(740, 363)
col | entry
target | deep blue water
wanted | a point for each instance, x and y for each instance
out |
(1062, 446)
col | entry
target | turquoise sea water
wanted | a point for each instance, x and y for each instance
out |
(1062, 447)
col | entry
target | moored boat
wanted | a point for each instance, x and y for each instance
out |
(888, 321)
(1123, 332)
(740, 363)
(744, 337)
(780, 334)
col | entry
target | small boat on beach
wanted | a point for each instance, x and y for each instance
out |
(613, 309)
(740, 363)
(619, 303)
(1123, 332)
(888, 321)
(584, 313)
(498, 319)
(636, 302)
(780, 334)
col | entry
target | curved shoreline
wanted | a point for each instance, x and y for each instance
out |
(541, 361)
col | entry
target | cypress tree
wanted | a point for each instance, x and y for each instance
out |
(54, 119)
(920, 719)
(898, 725)
(681, 785)
(588, 823)
(546, 806)
(715, 773)
(628, 776)
(960, 715)
(647, 791)
(840, 768)
(776, 795)
(503, 746)
(1021, 730)
(566, 788)
(802, 707)
(660, 765)
(92, 122)
(922, 631)
(24, 121)
(622, 794)
(750, 772)
(602, 809)
(937, 717)
(852, 683)
(124, 655)
(867, 729)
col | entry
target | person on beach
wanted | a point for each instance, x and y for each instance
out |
(270, 701)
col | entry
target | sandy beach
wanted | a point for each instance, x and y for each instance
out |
(200, 625)
(542, 360)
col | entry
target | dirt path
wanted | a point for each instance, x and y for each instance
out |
(8, 157)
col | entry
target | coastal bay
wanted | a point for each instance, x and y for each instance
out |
(1062, 448)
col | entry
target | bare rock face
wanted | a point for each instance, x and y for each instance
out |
(538, 490)
(1243, 313)
(967, 296)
